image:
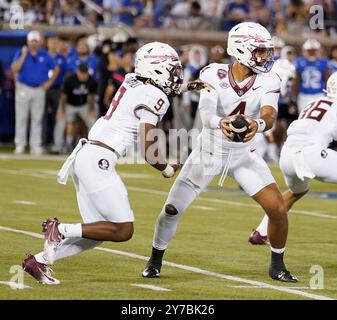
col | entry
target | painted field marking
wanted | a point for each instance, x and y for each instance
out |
(194, 269)
(252, 287)
(204, 208)
(149, 286)
(15, 285)
(28, 203)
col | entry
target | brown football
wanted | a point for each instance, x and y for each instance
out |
(239, 127)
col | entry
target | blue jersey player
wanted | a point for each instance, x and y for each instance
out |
(312, 73)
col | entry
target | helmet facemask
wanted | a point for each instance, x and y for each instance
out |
(262, 59)
(174, 80)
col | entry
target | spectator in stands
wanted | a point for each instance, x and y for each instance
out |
(146, 19)
(332, 64)
(236, 12)
(258, 12)
(83, 55)
(110, 11)
(63, 12)
(330, 23)
(32, 66)
(78, 101)
(53, 94)
(217, 55)
(162, 9)
(129, 10)
(297, 16)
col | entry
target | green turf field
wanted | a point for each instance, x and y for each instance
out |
(210, 256)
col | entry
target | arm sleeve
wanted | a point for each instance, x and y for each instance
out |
(209, 100)
(272, 94)
(153, 109)
(147, 116)
(207, 107)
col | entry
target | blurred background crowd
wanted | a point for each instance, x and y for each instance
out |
(280, 16)
(59, 85)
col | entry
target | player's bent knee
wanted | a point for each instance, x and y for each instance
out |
(278, 213)
(171, 210)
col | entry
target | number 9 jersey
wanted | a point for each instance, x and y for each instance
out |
(134, 102)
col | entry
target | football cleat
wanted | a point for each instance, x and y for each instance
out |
(256, 239)
(283, 275)
(53, 237)
(151, 272)
(40, 271)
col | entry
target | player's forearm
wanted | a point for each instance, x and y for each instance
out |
(267, 118)
(269, 121)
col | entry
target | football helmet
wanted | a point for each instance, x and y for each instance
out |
(251, 44)
(311, 44)
(311, 49)
(160, 63)
(331, 86)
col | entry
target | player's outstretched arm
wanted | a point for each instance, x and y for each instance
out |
(152, 154)
(195, 85)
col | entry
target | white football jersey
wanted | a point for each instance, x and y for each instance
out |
(230, 98)
(133, 103)
(317, 123)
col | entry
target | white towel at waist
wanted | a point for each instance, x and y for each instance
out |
(63, 174)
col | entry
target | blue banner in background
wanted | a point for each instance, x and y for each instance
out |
(10, 42)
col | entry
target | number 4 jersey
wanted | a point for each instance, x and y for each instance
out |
(317, 123)
(133, 103)
(230, 98)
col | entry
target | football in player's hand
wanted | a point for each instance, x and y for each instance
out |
(239, 126)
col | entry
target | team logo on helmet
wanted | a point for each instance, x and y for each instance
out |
(103, 164)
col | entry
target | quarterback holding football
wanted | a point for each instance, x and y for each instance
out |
(247, 88)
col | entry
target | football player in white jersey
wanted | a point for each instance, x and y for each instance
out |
(245, 87)
(305, 154)
(140, 102)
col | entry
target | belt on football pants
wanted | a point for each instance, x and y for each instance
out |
(103, 145)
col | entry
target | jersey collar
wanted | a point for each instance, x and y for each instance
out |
(240, 91)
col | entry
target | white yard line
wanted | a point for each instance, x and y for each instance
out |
(204, 208)
(28, 203)
(15, 285)
(194, 269)
(149, 286)
(254, 287)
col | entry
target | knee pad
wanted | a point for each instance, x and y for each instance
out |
(171, 210)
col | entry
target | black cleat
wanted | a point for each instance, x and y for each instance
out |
(283, 275)
(151, 272)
